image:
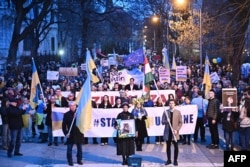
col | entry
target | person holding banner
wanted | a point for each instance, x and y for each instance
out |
(48, 122)
(124, 146)
(140, 115)
(72, 133)
(201, 118)
(105, 104)
(172, 119)
(186, 138)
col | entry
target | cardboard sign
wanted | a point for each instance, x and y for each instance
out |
(52, 75)
(181, 73)
(164, 75)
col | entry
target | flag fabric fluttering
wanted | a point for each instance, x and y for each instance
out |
(206, 77)
(148, 77)
(165, 60)
(173, 64)
(90, 67)
(84, 109)
(134, 58)
(35, 87)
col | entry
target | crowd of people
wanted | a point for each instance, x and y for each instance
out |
(15, 94)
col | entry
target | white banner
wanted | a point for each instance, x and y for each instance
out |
(97, 96)
(52, 75)
(103, 121)
(123, 77)
(181, 73)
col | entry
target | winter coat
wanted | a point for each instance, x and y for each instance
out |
(229, 119)
(176, 124)
(125, 146)
(48, 111)
(15, 119)
(75, 137)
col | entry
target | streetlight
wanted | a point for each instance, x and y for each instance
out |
(182, 2)
(155, 20)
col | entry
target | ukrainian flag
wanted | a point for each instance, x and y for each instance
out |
(90, 67)
(35, 85)
(206, 78)
(173, 64)
(84, 109)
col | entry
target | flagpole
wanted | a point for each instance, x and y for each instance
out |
(165, 112)
(72, 123)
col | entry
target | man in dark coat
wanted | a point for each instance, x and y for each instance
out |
(15, 122)
(48, 121)
(73, 134)
(131, 85)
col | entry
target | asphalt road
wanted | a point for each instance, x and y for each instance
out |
(153, 155)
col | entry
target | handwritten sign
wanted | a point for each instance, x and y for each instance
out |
(181, 73)
(52, 75)
(68, 71)
(164, 75)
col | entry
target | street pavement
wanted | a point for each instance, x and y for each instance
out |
(153, 155)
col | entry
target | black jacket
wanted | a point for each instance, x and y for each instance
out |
(76, 137)
(3, 113)
(15, 119)
(48, 111)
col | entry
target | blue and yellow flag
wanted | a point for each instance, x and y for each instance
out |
(173, 64)
(84, 109)
(206, 78)
(35, 87)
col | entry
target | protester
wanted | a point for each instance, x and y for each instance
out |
(229, 120)
(201, 117)
(124, 146)
(15, 122)
(27, 119)
(5, 125)
(132, 85)
(48, 122)
(244, 129)
(171, 135)
(105, 104)
(212, 114)
(73, 134)
(186, 138)
(159, 139)
(140, 115)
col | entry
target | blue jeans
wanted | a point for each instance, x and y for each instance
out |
(5, 135)
(244, 137)
(15, 141)
(69, 152)
(229, 139)
(51, 135)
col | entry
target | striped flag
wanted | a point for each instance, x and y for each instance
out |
(173, 64)
(206, 77)
(148, 77)
(84, 109)
(90, 68)
(165, 58)
(35, 87)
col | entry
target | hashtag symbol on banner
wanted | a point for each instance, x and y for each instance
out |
(96, 123)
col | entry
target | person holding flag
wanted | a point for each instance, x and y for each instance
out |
(172, 120)
(72, 133)
(206, 77)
